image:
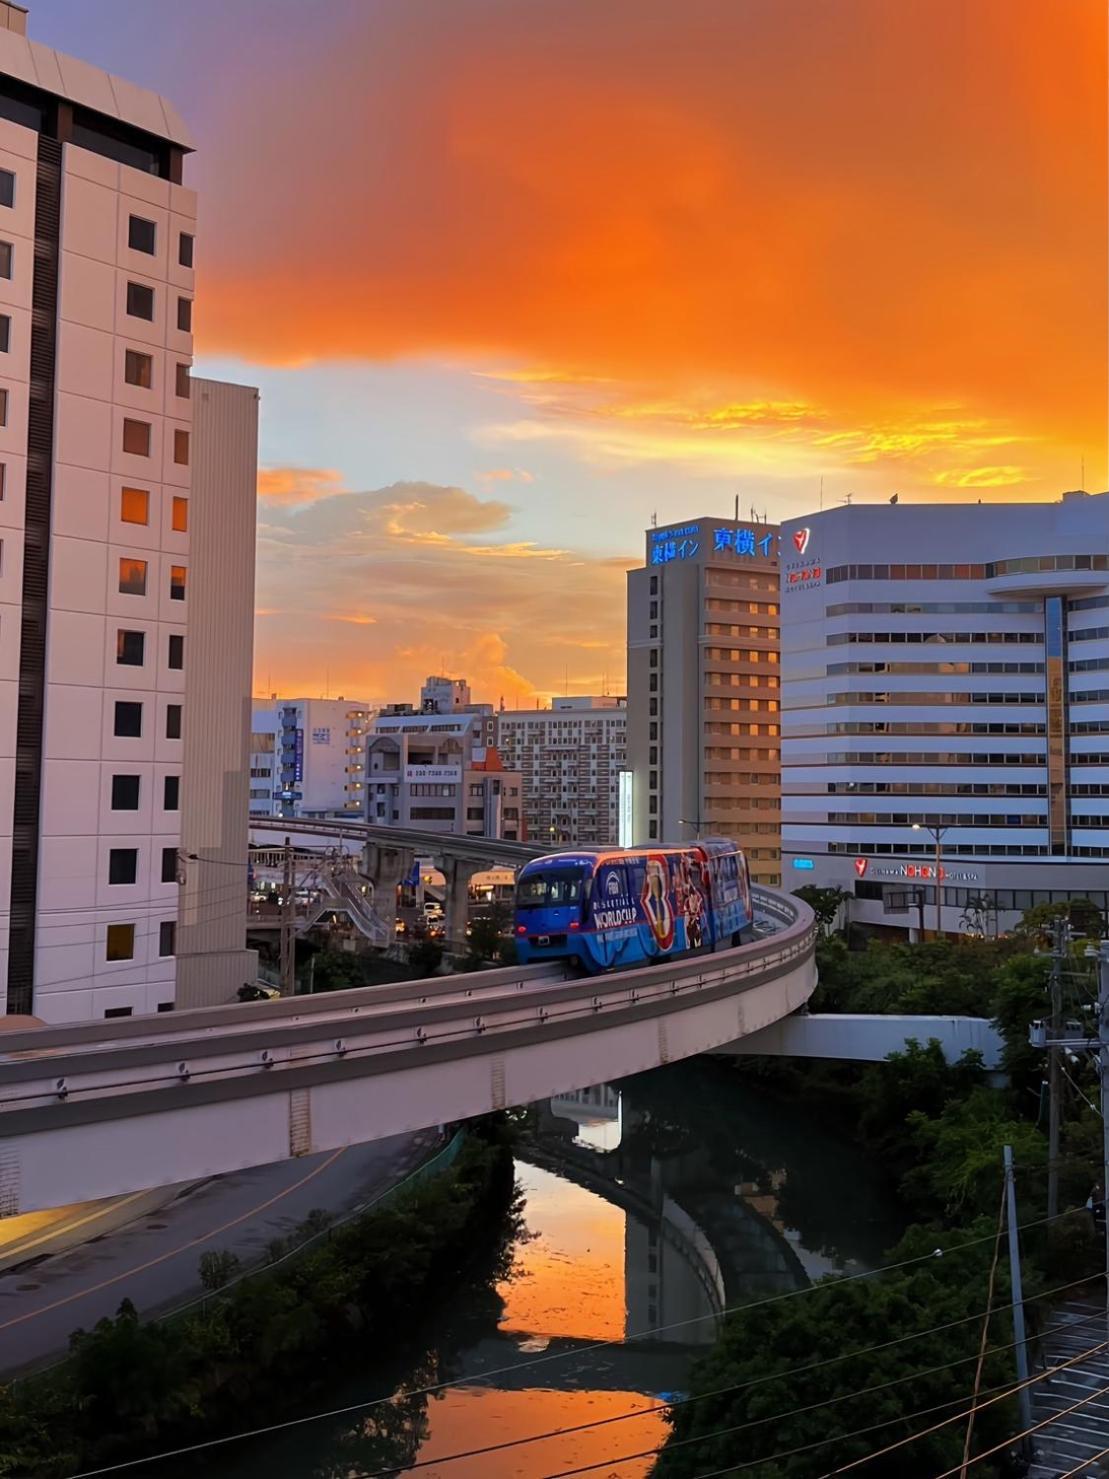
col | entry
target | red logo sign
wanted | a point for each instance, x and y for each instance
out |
(860, 866)
(801, 539)
(811, 572)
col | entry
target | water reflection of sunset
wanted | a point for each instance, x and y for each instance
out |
(470, 1418)
(570, 1278)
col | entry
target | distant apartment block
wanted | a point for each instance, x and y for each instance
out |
(307, 756)
(569, 758)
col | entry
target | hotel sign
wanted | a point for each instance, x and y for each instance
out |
(924, 872)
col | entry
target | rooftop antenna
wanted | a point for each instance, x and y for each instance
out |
(848, 499)
(737, 508)
(654, 520)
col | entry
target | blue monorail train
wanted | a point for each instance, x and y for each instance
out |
(630, 907)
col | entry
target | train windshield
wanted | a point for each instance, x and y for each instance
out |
(550, 889)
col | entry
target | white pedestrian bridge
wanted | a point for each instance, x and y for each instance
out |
(101, 1109)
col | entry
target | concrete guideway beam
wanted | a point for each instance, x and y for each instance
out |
(147, 1103)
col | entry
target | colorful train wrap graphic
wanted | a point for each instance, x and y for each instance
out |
(617, 908)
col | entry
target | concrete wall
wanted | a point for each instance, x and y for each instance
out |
(212, 961)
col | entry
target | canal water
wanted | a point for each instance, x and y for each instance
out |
(650, 1206)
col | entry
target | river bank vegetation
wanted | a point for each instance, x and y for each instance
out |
(879, 1368)
(132, 1388)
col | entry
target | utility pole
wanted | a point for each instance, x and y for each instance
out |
(288, 932)
(1102, 954)
(1018, 1291)
(1060, 940)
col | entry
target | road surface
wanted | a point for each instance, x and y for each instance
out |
(153, 1260)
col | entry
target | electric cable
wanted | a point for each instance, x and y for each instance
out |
(985, 1325)
(1085, 1464)
(1036, 1427)
(679, 1402)
(607, 1344)
(1001, 1394)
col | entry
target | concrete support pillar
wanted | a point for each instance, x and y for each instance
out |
(386, 865)
(458, 873)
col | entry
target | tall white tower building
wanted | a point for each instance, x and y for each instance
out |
(96, 451)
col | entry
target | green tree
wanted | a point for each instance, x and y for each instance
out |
(1083, 914)
(772, 1363)
(825, 903)
(425, 957)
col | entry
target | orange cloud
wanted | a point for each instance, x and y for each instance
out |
(415, 578)
(297, 484)
(872, 208)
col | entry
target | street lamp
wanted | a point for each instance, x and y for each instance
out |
(937, 834)
(685, 822)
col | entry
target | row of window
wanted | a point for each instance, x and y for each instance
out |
(923, 757)
(132, 578)
(947, 726)
(142, 236)
(138, 369)
(924, 697)
(925, 788)
(1030, 668)
(134, 508)
(1028, 565)
(140, 304)
(128, 720)
(131, 649)
(120, 945)
(1024, 639)
(1017, 899)
(722, 629)
(954, 849)
(1090, 634)
(123, 865)
(933, 608)
(127, 788)
(137, 436)
(942, 819)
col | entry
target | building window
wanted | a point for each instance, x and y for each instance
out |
(181, 447)
(140, 235)
(185, 315)
(3, 406)
(652, 706)
(7, 187)
(653, 683)
(6, 255)
(167, 940)
(136, 437)
(185, 249)
(117, 1012)
(134, 506)
(177, 582)
(128, 720)
(5, 332)
(140, 301)
(123, 864)
(138, 369)
(130, 648)
(654, 585)
(120, 942)
(125, 793)
(173, 721)
(654, 657)
(176, 650)
(184, 380)
(179, 517)
(169, 865)
(132, 576)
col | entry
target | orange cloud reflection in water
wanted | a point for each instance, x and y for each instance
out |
(464, 1418)
(570, 1280)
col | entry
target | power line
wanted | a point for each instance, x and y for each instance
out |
(1002, 1393)
(543, 1360)
(1045, 1422)
(679, 1402)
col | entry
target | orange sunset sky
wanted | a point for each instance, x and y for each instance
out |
(514, 276)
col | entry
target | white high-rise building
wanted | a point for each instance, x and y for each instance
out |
(308, 756)
(945, 680)
(97, 238)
